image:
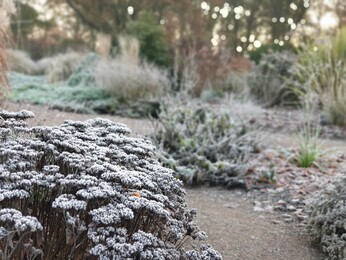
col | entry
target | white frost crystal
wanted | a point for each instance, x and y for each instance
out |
(68, 201)
(111, 214)
(89, 189)
(15, 221)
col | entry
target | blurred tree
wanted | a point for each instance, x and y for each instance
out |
(25, 21)
(105, 16)
(240, 23)
(151, 36)
(341, 12)
(110, 17)
(245, 21)
(186, 24)
(284, 16)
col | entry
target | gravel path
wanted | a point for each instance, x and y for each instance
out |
(239, 233)
(227, 216)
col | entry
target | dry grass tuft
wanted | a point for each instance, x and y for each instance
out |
(130, 49)
(127, 78)
(129, 82)
(103, 45)
(62, 66)
(57, 68)
(21, 62)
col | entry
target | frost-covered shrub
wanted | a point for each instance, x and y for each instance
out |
(204, 147)
(267, 81)
(327, 219)
(89, 190)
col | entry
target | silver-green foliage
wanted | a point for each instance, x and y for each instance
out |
(327, 219)
(79, 98)
(204, 146)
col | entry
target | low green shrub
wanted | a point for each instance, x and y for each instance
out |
(267, 80)
(87, 190)
(81, 98)
(204, 147)
(84, 72)
(327, 221)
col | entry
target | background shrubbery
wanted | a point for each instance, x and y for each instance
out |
(87, 83)
(258, 54)
(203, 146)
(267, 80)
(327, 222)
(321, 70)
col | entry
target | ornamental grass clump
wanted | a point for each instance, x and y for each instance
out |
(327, 222)
(321, 68)
(309, 137)
(205, 147)
(87, 190)
(7, 8)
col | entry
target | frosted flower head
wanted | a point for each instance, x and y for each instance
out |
(91, 185)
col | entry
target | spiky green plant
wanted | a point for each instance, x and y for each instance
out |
(309, 150)
(309, 142)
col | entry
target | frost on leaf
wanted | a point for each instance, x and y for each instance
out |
(90, 190)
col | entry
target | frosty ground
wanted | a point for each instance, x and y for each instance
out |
(240, 224)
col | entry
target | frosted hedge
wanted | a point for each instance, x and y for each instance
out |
(327, 218)
(89, 190)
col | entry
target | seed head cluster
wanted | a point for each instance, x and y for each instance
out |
(89, 189)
